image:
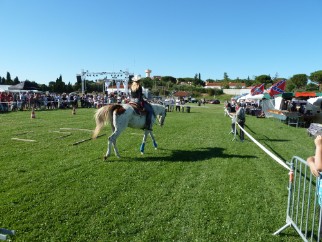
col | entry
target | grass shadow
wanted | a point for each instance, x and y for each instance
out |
(195, 155)
(248, 128)
(275, 140)
(274, 152)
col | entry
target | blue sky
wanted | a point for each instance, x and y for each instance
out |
(41, 40)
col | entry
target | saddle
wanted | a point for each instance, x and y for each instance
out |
(138, 109)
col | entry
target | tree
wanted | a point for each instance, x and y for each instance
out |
(197, 81)
(299, 80)
(8, 80)
(51, 86)
(147, 82)
(226, 77)
(312, 87)
(180, 80)
(43, 88)
(248, 82)
(266, 79)
(316, 77)
(69, 88)
(78, 85)
(31, 85)
(169, 79)
(290, 86)
(16, 81)
(211, 91)
(58, 86)
(275, 77)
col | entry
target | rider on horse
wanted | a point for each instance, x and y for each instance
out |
(137, 97)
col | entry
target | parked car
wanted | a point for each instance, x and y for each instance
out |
(214, 101)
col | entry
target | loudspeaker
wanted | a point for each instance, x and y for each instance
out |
(79, 78)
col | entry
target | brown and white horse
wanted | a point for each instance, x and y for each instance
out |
(121, 116)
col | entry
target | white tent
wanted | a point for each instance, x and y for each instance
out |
(4, 88)
(259, 96)
(316, 101)
(313, 105)
(243, 97)
(278, 101)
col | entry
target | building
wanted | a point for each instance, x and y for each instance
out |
(220, 85)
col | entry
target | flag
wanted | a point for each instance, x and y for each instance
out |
(258, 89)
(277, 88)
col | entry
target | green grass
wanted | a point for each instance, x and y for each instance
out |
(198, 186)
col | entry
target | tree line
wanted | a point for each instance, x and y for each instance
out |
(167, 85)
(159, 86)
(298, 82)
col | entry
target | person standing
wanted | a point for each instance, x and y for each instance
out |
(178, 104)
(315, 162)
(137, 97)
(240, 115)
(182, 103)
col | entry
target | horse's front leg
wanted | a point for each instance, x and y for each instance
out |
(153, 140)
(144, 140)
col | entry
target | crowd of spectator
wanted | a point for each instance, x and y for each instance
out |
(20, 101)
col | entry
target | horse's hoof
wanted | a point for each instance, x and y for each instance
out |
(155, 148)
(142, 153)
(105, 158)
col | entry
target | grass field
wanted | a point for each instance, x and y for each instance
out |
(198, 186)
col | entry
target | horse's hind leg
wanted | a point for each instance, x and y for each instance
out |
(112, 141)
(116, 150)
(108, 152)
(153, 140)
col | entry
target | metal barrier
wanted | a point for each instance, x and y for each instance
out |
(303, 212)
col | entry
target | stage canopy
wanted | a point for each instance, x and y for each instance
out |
(26, 85)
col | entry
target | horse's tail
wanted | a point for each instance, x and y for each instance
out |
(104, 115)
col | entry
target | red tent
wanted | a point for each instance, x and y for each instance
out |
(305, 94)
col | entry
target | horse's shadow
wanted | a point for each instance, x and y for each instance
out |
(194, 155)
